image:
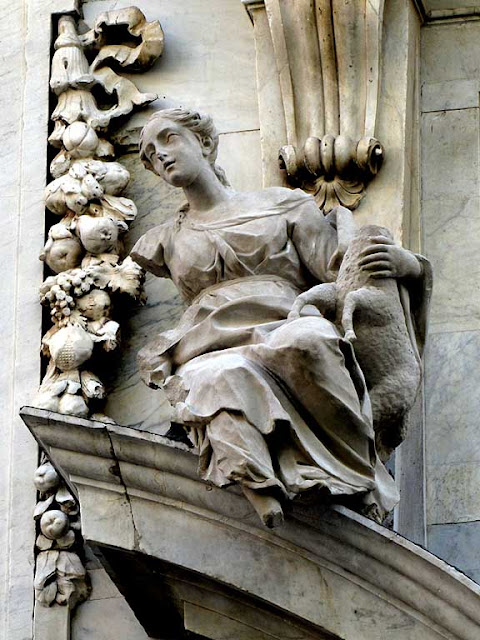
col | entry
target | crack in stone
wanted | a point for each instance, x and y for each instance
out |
(115, 470)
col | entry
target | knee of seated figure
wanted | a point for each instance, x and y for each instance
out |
(304, 333)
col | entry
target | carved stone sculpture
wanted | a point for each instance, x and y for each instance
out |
(277, 404)
(327, 59)
(85, 248)
(60, 575)
(371, 311)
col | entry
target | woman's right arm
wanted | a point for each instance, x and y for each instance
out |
(149, 251)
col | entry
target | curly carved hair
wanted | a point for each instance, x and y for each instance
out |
(198, 123)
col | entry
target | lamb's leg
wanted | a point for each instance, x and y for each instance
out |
(349, 305)
(323, 296)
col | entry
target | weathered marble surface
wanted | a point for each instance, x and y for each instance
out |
(106, 615)
(451, 224)
(458, 545)
(450, 51)
(25, 36)
(392, 196)
(449, 64)
(453, 447)
(450, 160)
(452, 378)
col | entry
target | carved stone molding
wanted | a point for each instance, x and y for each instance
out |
(84, 250)
(329, 573)
(327, 56)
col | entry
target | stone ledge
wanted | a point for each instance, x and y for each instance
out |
(331, 569)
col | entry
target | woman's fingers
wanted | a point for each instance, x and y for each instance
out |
(379, 265)
(374, 257)
(376, 248)
(381, 274)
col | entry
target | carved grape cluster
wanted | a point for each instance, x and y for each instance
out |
(60, 291)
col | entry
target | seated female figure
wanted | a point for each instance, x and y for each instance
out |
(278, 406)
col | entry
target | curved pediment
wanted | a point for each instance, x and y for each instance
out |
(200, 553)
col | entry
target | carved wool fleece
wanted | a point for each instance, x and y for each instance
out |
(327, 55)
(84, 249)
(84, 252)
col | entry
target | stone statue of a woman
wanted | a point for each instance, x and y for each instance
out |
(277, 405)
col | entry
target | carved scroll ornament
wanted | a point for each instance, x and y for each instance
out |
(327, 56)
(84, 250)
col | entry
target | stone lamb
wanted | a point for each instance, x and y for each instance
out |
(370, 312)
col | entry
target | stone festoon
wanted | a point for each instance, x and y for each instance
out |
(84, 251)
(84, 254)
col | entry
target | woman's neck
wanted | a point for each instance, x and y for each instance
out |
(206, 192)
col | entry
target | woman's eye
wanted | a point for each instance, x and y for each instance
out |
(171, 136)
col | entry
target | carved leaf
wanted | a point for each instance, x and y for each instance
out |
(43, 543)
(127, 278)
(45, 569)
(41, 507)
(65, 499)
(135, 58)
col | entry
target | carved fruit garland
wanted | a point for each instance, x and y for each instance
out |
(84, 255)
(84, 249)
(60, 575)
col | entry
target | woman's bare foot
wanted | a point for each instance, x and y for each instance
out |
(268, 508)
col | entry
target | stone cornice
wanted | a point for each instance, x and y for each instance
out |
(140, 492)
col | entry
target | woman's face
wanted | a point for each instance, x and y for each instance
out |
(174, 152)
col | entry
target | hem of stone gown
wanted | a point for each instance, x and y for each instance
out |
(272, 426)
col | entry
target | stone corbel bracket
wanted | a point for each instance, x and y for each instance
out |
(323, 99)
(336, 169)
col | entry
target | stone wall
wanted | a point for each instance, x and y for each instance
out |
(451, 222)
(209, 64)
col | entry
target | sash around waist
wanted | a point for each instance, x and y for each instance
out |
(249, 286)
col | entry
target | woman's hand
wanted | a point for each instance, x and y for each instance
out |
(385, 259)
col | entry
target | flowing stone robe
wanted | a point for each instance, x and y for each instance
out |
(274, 404)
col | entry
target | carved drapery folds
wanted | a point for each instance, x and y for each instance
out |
(84, 250)
(327, 56)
